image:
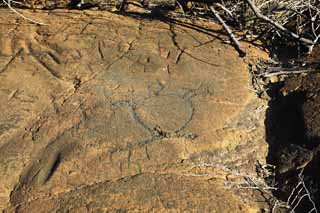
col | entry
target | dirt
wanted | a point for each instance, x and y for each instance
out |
(105, 112)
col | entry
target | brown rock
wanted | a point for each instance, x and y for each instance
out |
(104, 112)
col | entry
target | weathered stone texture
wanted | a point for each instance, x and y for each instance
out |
(104, 112)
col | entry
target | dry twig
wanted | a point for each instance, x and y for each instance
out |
(8, 4)
(230, 33)
(267, 75)
(287, 70)
(299, 196)
(276, 24)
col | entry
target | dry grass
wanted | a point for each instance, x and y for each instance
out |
(274, 21)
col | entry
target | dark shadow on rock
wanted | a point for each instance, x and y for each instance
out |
(294, 155)
(284, 49)
(161, 14)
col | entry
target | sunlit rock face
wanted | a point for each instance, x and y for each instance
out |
(105, 112)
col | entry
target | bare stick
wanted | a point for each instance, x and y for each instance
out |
(181, 7)
(231, 35)
(299, 196)
(276, 24)
(8, 3)
(309, 196)
(225, 9)
(287, 73)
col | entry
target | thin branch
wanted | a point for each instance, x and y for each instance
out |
(181, 7)
(267, 75)
(225, 9)
(309, 195)
(301, 198)
(230, 33)
(276, 24)
(8, 3)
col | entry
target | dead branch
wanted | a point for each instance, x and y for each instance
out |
(8, 4)
(276, 24)
(287, 70)
(267, 75)
(225, 9)
(230, 33)
(300, 195)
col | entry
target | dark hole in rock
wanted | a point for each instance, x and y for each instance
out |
(292, 132)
